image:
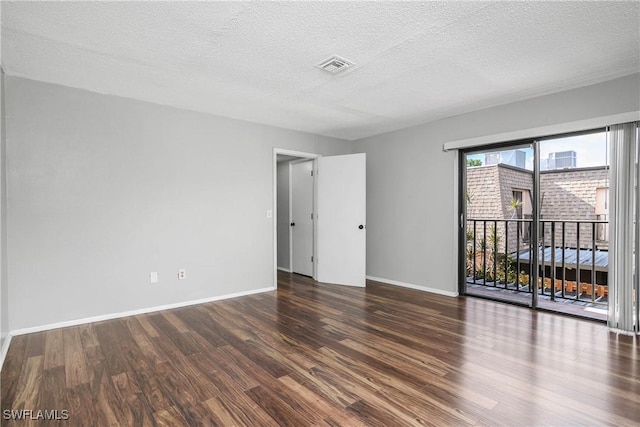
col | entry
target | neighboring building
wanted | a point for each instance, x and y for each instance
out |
(491, 190)
(503, 191)
(559, 160)
(576, 194)
(517, 158)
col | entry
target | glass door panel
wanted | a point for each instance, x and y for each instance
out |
(498, 216)
(574, 222)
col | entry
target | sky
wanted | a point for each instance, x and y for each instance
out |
(591, 149)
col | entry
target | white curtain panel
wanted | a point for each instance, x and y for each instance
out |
(622, 198)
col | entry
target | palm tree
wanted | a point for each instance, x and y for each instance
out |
(514, 206)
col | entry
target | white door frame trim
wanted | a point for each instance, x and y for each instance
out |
(283, 151)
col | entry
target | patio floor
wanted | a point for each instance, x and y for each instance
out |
(583, 308)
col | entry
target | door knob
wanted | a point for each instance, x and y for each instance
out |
(361, 226)
(293, 224)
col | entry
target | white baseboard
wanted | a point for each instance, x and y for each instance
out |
(135, 312)
(412, 286)
(4, 350)
(286, 270)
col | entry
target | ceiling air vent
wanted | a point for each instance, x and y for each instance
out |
(334, 64)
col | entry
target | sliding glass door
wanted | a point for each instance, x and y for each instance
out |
(534, 223)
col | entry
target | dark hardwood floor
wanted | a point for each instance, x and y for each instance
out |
(329, 355)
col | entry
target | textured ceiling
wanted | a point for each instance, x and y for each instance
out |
(414, 61)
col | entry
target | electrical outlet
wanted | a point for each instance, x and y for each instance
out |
(182, 273)
(153, 277)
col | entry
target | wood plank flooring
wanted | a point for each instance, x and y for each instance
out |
(316, 354)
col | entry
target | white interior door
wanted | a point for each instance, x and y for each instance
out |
(341, 220)
(301, 218)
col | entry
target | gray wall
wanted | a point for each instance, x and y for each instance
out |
(104, 190)
(412, 182)
(283, 215)
(4, 289)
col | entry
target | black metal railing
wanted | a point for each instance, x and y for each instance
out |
(572, 257)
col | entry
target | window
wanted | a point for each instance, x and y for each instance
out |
(517, 203)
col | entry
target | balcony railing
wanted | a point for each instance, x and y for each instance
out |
(573, 261)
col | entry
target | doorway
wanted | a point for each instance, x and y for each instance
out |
(338, 216)
(283, 162)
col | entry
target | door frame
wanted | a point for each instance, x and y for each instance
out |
(461, 174)
(274, 219)
(313, 209)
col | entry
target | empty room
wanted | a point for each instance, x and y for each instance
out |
(334, 213)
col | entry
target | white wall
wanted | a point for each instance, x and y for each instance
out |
(283, 215)
(103, 190)
(412, 182)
